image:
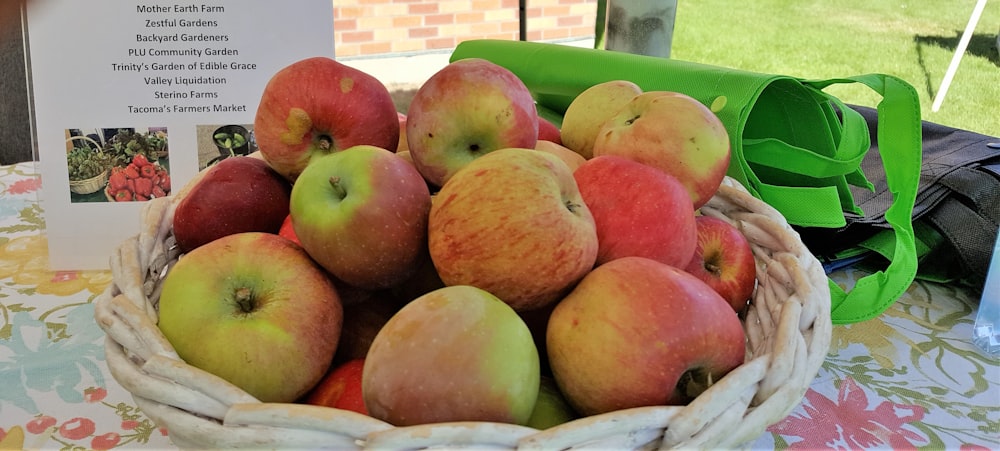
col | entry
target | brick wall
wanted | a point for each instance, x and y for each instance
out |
(374, 27)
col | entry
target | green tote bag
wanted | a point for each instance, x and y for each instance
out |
(793, 145)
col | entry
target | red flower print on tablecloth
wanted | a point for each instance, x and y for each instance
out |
(69, 430)
(848, 423)
(25, 186)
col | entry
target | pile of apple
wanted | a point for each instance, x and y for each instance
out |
(467, 260)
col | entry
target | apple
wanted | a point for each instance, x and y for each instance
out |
(537, 321)
(567, 155)
(287, 230)
(341, 388)
(588, 111)
(551, 408)
(362, 321)
(512, 222)
(455, 354)
(405, 155)
(316, 106)
(638, 210)
(421, 282)
(673, 132)
(636, 332)
(238, 194)
(362, 214)
(724, 260)
(255, 310)
(468, 109)
(548, 131)
(402, 145)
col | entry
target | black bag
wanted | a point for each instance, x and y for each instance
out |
(955, 218)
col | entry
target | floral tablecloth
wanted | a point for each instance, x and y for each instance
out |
(910, 378)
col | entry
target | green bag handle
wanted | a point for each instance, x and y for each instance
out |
(828, 161)
(900, 146)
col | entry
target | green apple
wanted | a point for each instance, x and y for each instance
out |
(362, 214)
(455, 354)
(469, 108)
(551, 408)
(255, 310)
(513, 223)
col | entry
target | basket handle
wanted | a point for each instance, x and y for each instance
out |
(98, 147)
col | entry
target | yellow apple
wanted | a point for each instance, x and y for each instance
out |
(674, 133)
(588, 111)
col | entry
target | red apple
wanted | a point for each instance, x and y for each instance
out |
(455, 354)
(341, 388)
(362, 214)
(548, 131)
(423, 281)
(674, 133)
(288, 231)
(724, 260)
(638, 210)
(238, 194)
(513, 223)
(402, 145)
(537, 321)
(362, 321)
(636, 332)
(469, 108)
(255, 310)
(318, 105)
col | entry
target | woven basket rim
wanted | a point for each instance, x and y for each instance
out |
(91, 185)
(788, 331)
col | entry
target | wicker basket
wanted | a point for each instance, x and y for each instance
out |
(93, 184)
(787, 327)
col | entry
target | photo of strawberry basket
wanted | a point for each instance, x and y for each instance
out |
(787, 327)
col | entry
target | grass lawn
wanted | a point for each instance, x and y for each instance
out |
(911, 39)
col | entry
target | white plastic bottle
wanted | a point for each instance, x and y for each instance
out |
(986, 332)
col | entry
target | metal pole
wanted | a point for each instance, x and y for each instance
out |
(523, 18)
(957, 57)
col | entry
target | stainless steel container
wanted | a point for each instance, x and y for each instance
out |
(642, 27)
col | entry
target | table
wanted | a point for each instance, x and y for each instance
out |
(909, 378)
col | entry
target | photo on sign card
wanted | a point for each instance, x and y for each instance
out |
(217, 142)
(117, 164)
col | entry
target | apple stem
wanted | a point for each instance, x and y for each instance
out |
(712, 264)
(572, 207)
(244, 298)
(338, 190)
(325, 143)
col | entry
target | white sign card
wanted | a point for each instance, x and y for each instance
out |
(110, 78)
